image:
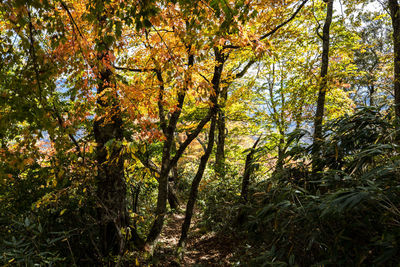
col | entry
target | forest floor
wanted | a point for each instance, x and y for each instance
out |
(203, 248)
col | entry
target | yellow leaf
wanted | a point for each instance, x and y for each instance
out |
(62, 212)
(60, 174)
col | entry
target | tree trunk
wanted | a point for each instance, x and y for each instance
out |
(163, 181)
(172, 198)
(220, 153)
(281, 153)
(220, 59)
(174, 172)
(371, 89)
(221, 125)
(395, 15)
(281, 129)
(195, 184)
(247, 172)
(166, 163)
(319, 115)
(111, 188)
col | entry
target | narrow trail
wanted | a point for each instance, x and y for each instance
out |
(202, 249)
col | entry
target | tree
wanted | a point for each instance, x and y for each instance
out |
(101, 102)
(319, 114)
(108, 134)
(372, 58)
(394, 9)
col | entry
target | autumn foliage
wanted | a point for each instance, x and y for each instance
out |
(264, 119)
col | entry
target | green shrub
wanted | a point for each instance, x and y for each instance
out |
(350, 217)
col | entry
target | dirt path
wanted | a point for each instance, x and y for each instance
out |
(202, 249)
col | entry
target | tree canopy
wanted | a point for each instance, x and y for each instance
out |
(131, 130)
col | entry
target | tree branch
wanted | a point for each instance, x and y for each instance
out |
(203, 145)
(57, 116)
(245, 69)
(163, 123)
(72, 18)
(192, 136)
(275, 29)
(285, 22)
(135, 69)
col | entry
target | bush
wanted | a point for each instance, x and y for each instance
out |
(350, 218)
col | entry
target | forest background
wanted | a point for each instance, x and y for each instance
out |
(273, 124)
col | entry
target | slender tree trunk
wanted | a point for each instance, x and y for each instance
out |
(279, 118)
(194, 189)
(174, 172)
(281, 129)
(220, 153)
(319, 115)
(166, 163)
(135, 197)
(395, 15)
(111, 188)
(220, 59)
(371, 89)
(157, 225)
(248, 169)
(172, 198)
(221, 125)
(281, 153)
(163, 181)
